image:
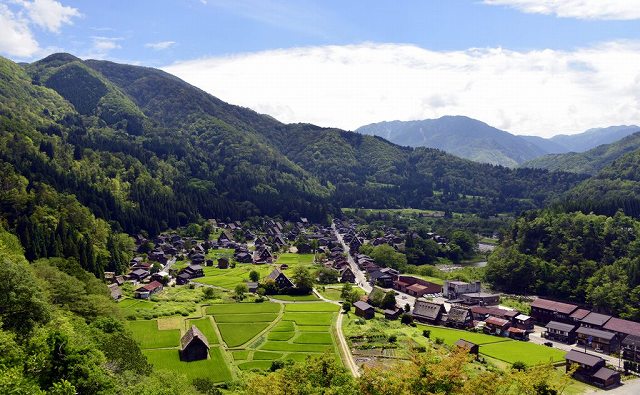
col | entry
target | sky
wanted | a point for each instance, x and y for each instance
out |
(537, 67)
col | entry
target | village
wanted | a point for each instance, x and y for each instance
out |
(259, 263)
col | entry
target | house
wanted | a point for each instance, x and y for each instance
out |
(138, 274)
(159, 276)
(383, 277)
(622, 327)
(591, 369)
(407, 284)
(599, 340)
(426, 311)
(544, 310)
(497, 326)
(252, 286)
(262, 255)
(243, 257)
(183, 278)
(559, 331)
(194, 271)
(223, 263)
(194, 345)
(517, 333)
(472, 348)
(347, 276)
(522, 321)
(481, 298)
(459, 317)
(481, 313)
(454, 289)
(280, 279)
(393, 314)
(115, 291)
(631, 348)
(119, 280)
(578, 315)
(225, 237)
(364, 310)
(595, 320)
(147, 290)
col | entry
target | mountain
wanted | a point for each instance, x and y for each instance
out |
(458, 135)
(144, 151)
(589, 162)
(593, 137)
(547, 145)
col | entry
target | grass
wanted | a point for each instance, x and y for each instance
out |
(314, 328)
(313, 338)
(237, 334)
(311, 307)
(147, 334)
(260, 365)
(332, 292)
(282, 336)
(206, 327)
(267, 355)
(532, 354)
(214, 368)
(229, 278)
(257, 317)
(241, 355)
(243, 308)
(299, 357)
(450, 336)
(306, 318)
(284, 346)
(284, 326)
(295, 298)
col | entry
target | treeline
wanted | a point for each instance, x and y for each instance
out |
(583, 258)
(61, 334)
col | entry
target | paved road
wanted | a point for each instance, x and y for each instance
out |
(361, 279)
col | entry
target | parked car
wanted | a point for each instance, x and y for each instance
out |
(548, 344)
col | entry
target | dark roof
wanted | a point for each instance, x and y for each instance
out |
(559, 326)
(480, 295)
(151, 286)
(274, 274)
(193, 333)
(139, 272)
(583, 358)
(595, 319)
(623, 326)
(605, 373)
(596, 333)
(457, 314)
(194, 267)
(362, 305)
(496, 321)
(560, 307)
(465, 344)
(428, 309)
(631, 340)
(580, 314)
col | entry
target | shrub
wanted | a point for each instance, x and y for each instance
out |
(209, 293)
(346, 307)
(406, 319)
(393, 339)
(439, 340)
(519, 365)
(276, 365)
(426, 333)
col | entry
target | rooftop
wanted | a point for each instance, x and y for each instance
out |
(583, 358)
(560, 307)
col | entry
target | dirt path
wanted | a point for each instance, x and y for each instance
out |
(344, 347)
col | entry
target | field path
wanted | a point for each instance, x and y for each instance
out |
(344, 347)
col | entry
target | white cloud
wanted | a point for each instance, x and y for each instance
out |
(102, 46)
(15, 37)
(580, 9)
(160, 45)
(50, 14)
(534, 92)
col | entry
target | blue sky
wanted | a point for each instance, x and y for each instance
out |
(200, 40)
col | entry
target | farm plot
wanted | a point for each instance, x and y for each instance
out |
(295, 298)
(312, 307)
(512, 350)
(229, 278)
(238, 334)
(450, 336)
(332, 292)
(214, 368)
(243, 308)
(313, 338)
(309, 318)
(240, 322)
(206, 327)
(147, 334)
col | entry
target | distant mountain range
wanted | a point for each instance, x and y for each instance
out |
(588, 162)
(477, 141)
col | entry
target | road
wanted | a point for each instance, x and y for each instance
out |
(361, 279)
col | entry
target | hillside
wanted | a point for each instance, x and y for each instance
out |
(462, 136)
(589, 162)
(144, 150)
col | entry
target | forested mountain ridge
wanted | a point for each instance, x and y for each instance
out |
(147, 151)
(589, 162)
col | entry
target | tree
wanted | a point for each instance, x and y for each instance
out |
(346, 290)
(389, 300)
(303, 279)
(254, 276)
(327, 275)
(386, 256)
(376, 297)
(346, 307)
(240, 291)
